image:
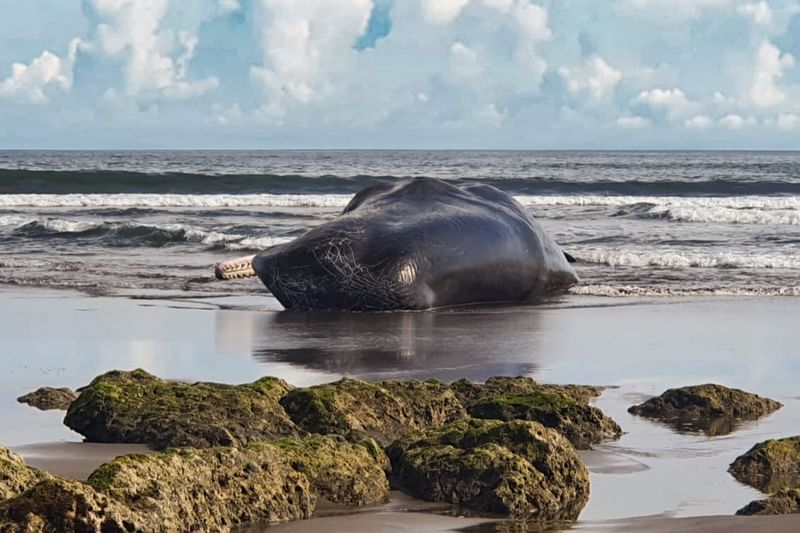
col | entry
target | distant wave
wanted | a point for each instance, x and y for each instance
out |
(13, 181)
(630, 205)
(128, 234)
(683, 259)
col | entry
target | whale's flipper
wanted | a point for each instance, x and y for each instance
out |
(570, 259)
(241, 267)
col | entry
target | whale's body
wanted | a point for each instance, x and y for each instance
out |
(417, 244)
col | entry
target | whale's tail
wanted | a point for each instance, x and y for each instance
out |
(241, 267)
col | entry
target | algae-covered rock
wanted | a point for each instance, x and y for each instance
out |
(49, 398)
(346, 473)
(770, 465)
(384, 410)
(15, 475)
(700, 407)
(137, 407)
(561, 407)
(518, 468)
(469, 392)
(208, 490)
(786, 501)
(59, 505)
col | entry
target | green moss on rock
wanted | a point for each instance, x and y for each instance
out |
(15, 475)
(707, 401)
(384, 410)
(137, 407)
(563, 407)
(770, 465)
(786, 501)
(347, 473)
(518, 468)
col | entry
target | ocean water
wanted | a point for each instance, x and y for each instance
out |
(639, 223)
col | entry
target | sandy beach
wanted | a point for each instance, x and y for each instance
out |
(637, 347)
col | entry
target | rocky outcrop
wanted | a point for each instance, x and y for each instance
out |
(564, 408)
(15, 475)
(786, 501)
(770, 465)
(49, 398)
(60, 505)
(352, 474)
(212, 489)
(137, 407)
(711, 408)
(385, 410)
(518, 468)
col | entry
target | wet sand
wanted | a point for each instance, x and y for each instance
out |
(639, 346)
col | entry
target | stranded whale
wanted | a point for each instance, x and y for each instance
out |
(415, 244)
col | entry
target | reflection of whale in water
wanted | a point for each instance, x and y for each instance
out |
(474, 343)
(415, 244)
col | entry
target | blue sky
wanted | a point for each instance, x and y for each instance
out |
(517, 74)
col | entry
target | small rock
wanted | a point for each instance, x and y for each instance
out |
(48, 398)
(770, 465)
(564, 408)
(385, 410)
(518, 468)
(786, 501)
(15, 475)
(713, 409)
(137, 407)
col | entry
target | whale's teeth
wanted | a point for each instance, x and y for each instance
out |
(241, 267)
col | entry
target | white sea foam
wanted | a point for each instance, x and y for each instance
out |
(687, 259)
(635, 290)
(725, 215)
(785, 203)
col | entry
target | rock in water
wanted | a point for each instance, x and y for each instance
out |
(564, 408)
(137, 407)
(770, 465)
(786, 501)
(15, 475)
(711, 408)
(48, 398)
(518, 468)
(385, 410)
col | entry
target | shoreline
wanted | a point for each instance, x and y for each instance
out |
(237, 339)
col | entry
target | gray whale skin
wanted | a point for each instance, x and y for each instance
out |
(415, 244)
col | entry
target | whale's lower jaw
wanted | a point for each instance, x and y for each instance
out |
(241, 267)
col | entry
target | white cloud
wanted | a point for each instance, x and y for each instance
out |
(673, 101)
(699, 122)
(442, 11)
(760, 13)
(673, 10)
(595, 76)
(131, 29)
(533, 29)
(490, 115)
(769, 68)
(304, 45)
(787, 121)
(732, 122)
(228, 6)
(464, 62)
(632, 123)
(29, 81)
